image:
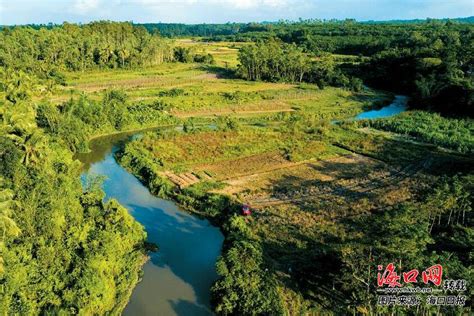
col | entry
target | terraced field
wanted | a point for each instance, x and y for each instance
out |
(197, 90)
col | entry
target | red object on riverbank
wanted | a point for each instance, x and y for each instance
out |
(246, 210)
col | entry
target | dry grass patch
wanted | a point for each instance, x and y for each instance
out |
(249, 165)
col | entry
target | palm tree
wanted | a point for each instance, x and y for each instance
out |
(17, 87)
(20, 119)
(123, 53)
(7, 225)
(105, 54)
(32, 145)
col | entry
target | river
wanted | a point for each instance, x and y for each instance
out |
(177, 278)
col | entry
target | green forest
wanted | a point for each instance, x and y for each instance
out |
(257, 100)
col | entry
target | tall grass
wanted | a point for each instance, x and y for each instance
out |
(455, 134)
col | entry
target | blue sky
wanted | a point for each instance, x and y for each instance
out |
(221, 11)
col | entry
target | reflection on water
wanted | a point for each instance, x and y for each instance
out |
(178, 277)
(398, 105)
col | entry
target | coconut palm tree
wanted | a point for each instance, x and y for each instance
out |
(17, 87)
(123, 54)
(105, 54)
(8, 227)
(32, 145)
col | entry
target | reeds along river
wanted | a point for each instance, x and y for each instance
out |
(177, 279)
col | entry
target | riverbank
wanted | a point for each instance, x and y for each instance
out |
(302, 209)
(178, 277)
(224, 212)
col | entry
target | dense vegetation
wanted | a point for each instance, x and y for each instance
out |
(247, 30)
(186, 30)
(63, 249)
(431, 128)
(73, 47)
(66, 250)
(432, 61)
(274, 61)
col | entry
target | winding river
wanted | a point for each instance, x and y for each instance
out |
(178, 277)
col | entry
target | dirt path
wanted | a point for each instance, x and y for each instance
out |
(226, 112)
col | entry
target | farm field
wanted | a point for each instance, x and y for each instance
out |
(188, 90)
(297, 201)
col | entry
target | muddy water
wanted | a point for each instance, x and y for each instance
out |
(178, 277)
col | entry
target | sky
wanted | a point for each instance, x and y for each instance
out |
(222, 11)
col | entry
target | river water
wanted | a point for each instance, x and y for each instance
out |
(177, 278)
(398, 106)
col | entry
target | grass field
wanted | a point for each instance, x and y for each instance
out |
(190, 89)
(224, 53)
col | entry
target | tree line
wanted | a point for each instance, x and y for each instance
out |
(47, 52)
(275, 61)
(432, 61)
(63, 249)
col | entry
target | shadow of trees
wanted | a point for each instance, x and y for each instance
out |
(314, 260)
(220, 72)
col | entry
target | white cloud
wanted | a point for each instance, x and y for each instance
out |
(221, 11)
(249, 4)
(237, 4)
(154, 3)
(85, 6)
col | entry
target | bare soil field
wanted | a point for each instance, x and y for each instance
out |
(353, 177)
(269, 180)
